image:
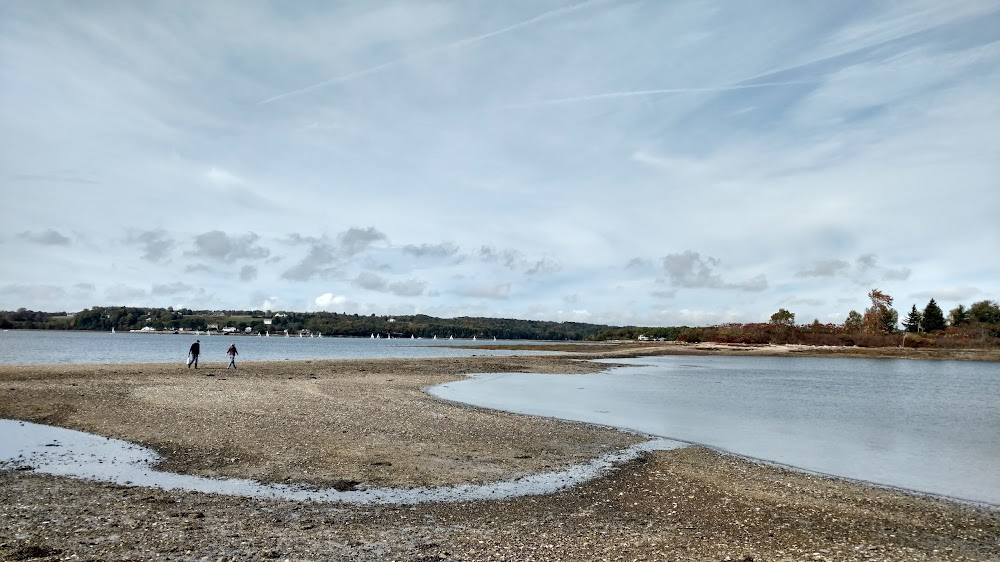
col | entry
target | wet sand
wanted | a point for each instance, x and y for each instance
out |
(368, 423)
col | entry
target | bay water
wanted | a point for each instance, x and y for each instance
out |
(926, 426)
(34, 347)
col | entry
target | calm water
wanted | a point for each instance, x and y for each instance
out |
(19, 347)
(929, 426)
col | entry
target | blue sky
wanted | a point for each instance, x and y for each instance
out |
(622, 162)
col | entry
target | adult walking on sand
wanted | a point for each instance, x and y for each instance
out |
(193, 354)
(232, 353)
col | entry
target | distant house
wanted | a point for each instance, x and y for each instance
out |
(213, 326)
(247, 330)
(268, 321)
(229, 330)
(280, 315)
(644, 337)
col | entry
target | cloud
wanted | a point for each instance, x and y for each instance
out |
(507, 258)
(408, 288)
(270, 303)
(639, 263)
(356, 240)
(867, 261)
(248, 273)
(175, 288)
(544, 265)
(33, 293)
(898, 274)
(824, 268)
(126, 295)
(156, 244)
(515, 260)
(48, 237)
(499, 291)
(626, 94)
(953, 294)
(465, 41)
(373, 282)
(442, 250)
(326, 300)
(690, 271)
(55, 177)
(223, 178)
(217, 245)
(316, 263)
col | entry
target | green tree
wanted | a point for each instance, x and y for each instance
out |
(933, 317)
(913, 320)
(958, 316)
(854, 322)
(783, 318)
(987, 312)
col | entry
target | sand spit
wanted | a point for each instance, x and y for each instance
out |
(368, 423)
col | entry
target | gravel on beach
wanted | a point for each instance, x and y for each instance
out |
(368, 423)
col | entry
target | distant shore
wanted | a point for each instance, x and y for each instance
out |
(639, 349)
(368, 422)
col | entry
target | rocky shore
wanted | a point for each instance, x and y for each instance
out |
(368, 423)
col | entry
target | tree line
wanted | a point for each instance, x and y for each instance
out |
(977, 325)
(333, 324)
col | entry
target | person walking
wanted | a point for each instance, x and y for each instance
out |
(193, 354)
(232, 353)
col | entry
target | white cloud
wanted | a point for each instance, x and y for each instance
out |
(224, 178)
(327, 300)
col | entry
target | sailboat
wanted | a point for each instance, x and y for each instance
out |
(112, 329)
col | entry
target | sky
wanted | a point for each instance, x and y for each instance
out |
(624, 162)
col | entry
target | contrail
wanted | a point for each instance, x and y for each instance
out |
(453, 45)
(645, 93)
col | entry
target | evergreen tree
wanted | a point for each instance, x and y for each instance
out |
(933, 317)
(913, 320)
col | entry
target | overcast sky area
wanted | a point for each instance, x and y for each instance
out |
(619, 162)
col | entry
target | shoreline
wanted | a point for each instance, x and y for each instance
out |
(369, 421)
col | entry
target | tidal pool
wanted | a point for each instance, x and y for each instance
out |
(57, 451)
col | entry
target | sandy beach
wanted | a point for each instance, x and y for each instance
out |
(368, 423)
